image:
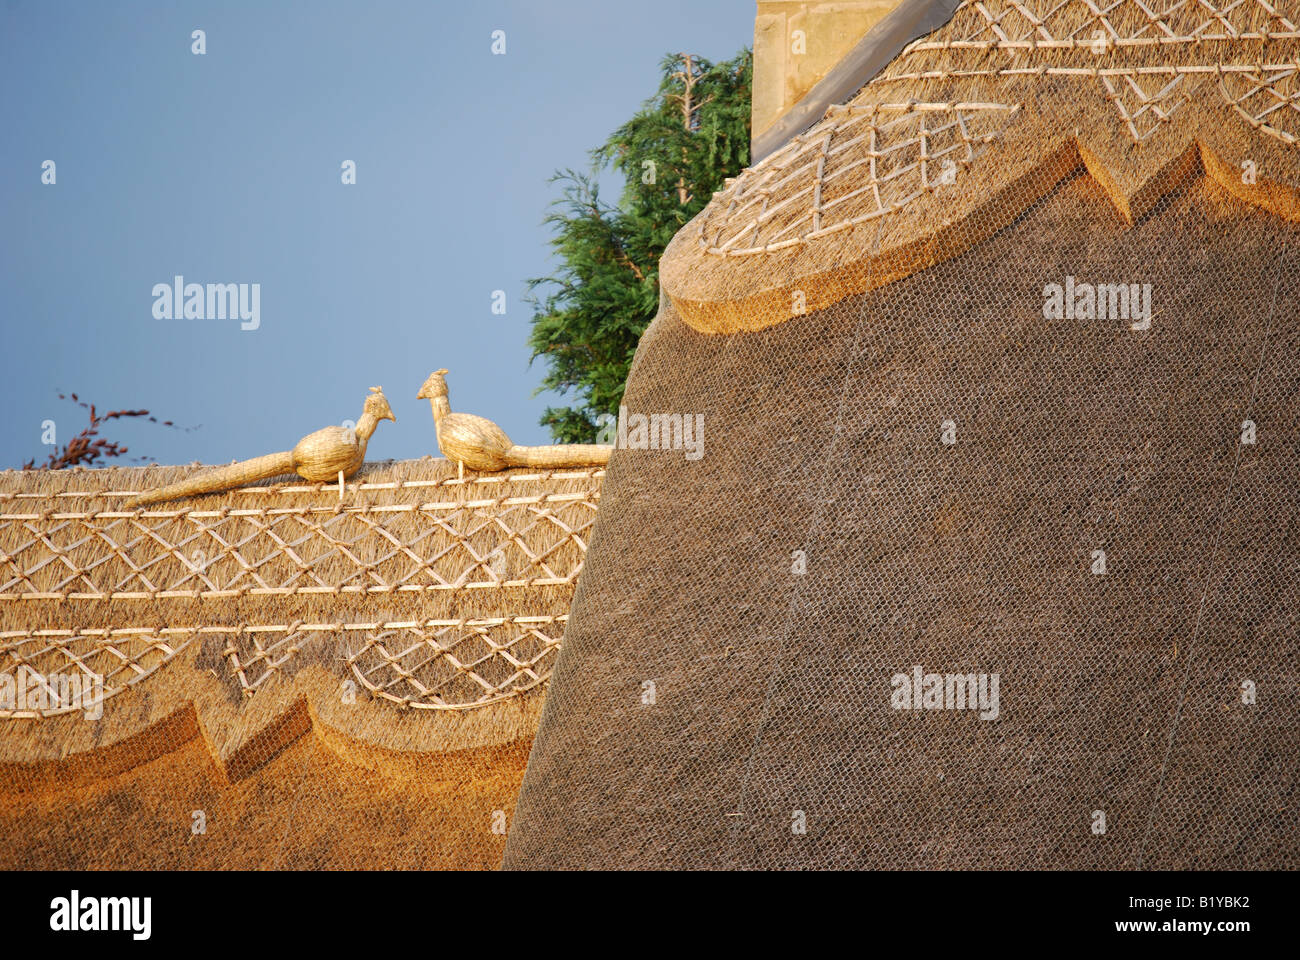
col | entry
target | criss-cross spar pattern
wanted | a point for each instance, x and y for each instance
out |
(889, 146)
(1142, 104)
(1269, 100)
(103, 599)
(432, 665)
(1003, 23)
(507, 541)
(1264, 94)
(49, 672)
(456, 664)
(862, 163)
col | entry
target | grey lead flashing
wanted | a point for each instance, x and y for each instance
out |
(909, 20)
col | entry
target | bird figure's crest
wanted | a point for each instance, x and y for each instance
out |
(434, 386)
(377, 404)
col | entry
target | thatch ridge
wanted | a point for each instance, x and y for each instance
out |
(901, 176)
(257, 666)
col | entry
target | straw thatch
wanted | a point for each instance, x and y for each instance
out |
(315, 805)
(409, 616)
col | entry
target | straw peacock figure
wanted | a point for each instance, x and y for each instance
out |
(479, 444)
(318, 458)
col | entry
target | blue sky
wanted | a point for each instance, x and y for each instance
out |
(225, 168)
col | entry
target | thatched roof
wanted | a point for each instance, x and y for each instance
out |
(414, 617)
(933, 471)
(972, 124)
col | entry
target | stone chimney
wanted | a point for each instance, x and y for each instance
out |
(797, 42)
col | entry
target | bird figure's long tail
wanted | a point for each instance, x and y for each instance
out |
(560, 455)
(223, 478)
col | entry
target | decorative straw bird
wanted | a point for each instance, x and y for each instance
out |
(318, 458)
(479, 444)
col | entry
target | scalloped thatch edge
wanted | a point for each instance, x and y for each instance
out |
(185, 704)
(1056, 132)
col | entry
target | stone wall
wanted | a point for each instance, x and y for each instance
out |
(797, 43)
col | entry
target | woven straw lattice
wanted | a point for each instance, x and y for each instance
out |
(870, 161)
(117, 659)
(512, 541)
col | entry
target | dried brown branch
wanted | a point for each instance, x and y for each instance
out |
(88, 449)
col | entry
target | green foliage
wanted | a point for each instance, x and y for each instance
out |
(673, 154)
